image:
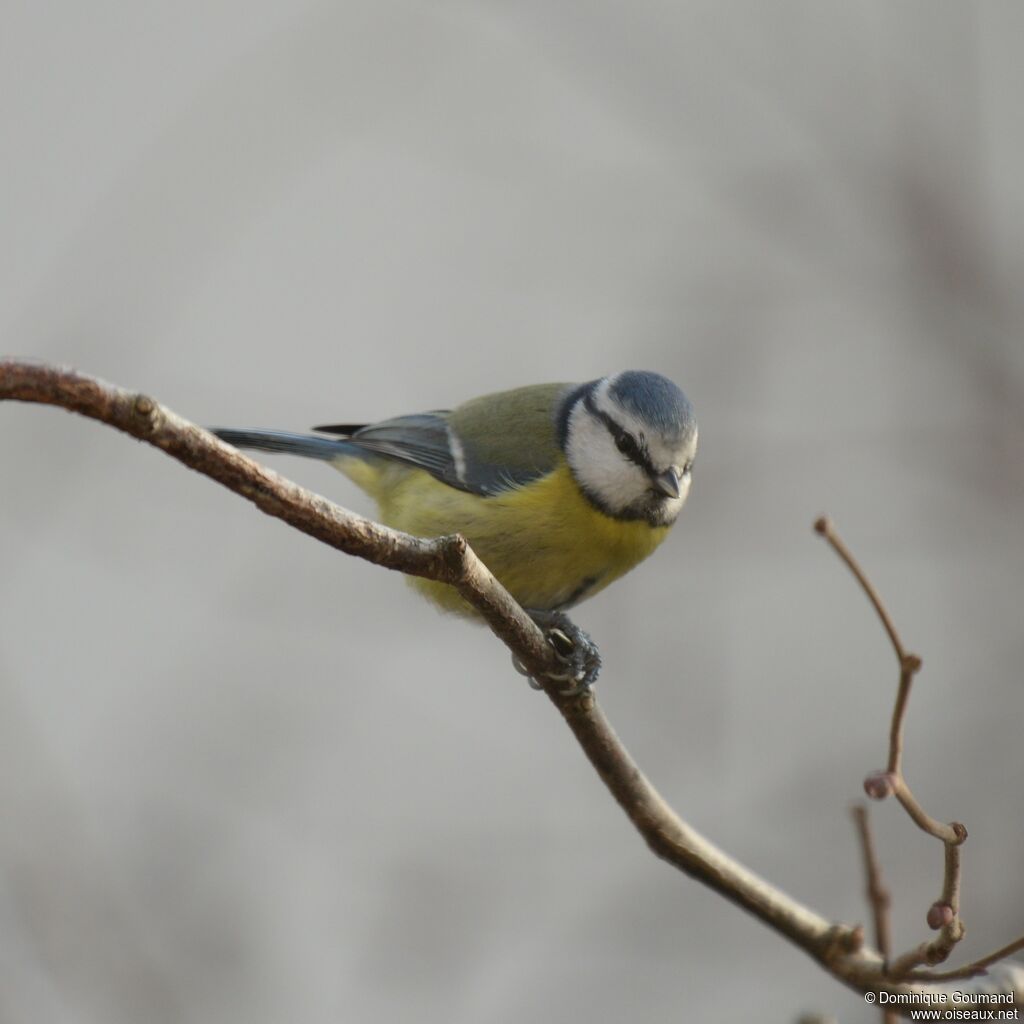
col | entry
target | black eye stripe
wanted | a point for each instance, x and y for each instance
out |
(634, 450)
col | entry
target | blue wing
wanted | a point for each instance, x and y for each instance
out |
(429, 441)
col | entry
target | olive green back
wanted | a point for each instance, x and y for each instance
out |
(513, 430)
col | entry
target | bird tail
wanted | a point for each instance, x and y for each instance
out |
(306, 445)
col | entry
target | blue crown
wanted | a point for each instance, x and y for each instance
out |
(654, 399)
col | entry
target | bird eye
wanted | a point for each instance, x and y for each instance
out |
(687, 467)
(626, 444)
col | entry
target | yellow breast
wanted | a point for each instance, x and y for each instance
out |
(544, 541)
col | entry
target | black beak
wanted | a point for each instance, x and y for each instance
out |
(667, 483)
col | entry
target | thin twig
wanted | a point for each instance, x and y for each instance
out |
(910, 664)
(972, 969)
(838, 948)
(825, 528)
(952, 834)
(877, 894)
(944, 914)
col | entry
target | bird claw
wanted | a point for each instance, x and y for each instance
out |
(524, 671)
(574, 648)
(562, 643)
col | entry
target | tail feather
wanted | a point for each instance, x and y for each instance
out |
(345, 429)
(282, 441)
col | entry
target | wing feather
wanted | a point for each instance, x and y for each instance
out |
(489, 445)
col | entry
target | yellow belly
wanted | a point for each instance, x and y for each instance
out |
(545, 542)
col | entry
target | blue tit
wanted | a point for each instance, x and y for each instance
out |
(559, 488)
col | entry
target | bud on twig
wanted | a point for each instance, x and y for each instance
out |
(879, 785)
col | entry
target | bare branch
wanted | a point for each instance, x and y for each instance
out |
(448, 559)
(944, 914)
(825, 528)
(839, 948)
(974, 968)
(878, 895)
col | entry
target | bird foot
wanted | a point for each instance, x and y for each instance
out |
(575, 650)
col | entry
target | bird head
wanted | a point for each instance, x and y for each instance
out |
(630, 441)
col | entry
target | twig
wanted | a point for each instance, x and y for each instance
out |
(972, 969)
(944, 914)
(824, 526)
(838, 948)
(877, 894)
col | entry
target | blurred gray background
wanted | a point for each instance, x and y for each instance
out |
(244, 778)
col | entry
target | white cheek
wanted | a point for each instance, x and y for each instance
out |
(600, 467)
(618, 481)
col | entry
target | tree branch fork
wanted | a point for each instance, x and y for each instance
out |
(839, 948)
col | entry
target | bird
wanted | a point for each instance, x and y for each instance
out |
(559, 488)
